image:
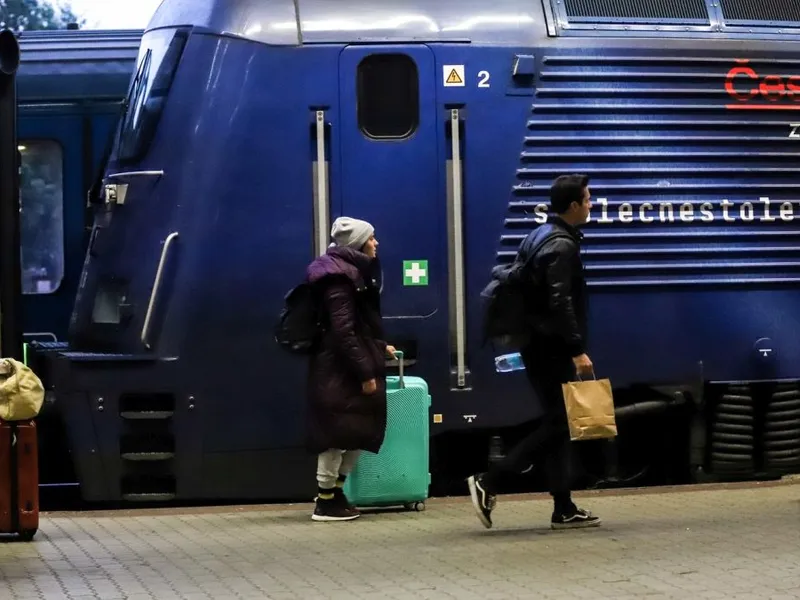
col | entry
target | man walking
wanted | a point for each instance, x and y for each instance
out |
(556, 352)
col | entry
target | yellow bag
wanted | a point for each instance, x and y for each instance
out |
(590, 409)
(21, 391)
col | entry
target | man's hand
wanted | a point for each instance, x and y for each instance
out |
(369, 387)
(583, 365)
(390, 351)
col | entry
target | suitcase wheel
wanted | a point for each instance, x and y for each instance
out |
(417, 506)
(26, 535)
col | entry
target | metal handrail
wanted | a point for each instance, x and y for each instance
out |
(156, 286)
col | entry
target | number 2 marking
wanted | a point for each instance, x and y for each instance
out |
(483, 79)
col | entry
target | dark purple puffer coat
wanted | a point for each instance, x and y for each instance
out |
(340, 415)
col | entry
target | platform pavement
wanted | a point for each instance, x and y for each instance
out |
(706, 542)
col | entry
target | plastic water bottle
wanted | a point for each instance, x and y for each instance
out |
(509, 362)
(496, 449)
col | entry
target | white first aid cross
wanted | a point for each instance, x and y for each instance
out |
(415, 272)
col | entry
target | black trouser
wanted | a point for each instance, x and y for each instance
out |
(547, 368)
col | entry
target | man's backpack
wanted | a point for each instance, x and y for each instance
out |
(299, 329)
(507, 320)
(505, 317)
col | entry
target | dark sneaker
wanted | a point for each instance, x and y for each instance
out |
(340, 498)
(580, 518)
(330, 510)
(482, 500)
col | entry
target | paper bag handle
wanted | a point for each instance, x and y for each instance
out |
(581, 378)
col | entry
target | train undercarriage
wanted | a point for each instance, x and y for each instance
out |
(119, 448)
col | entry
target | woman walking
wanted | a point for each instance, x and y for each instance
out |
(347, 380)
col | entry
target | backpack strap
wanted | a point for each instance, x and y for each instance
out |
(531, 245)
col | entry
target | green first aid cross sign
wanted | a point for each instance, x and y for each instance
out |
(415, 272)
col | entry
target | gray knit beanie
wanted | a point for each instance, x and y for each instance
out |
(351, 233)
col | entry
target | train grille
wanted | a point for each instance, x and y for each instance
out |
(636, 9)
(733, 433)
(787, 11)
(755, 428)
(782, 430)
(690, 184)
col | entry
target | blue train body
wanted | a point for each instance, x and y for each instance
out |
(70, 88)
(252, 125)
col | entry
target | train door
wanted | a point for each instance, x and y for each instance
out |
(52, 204)
(390, 176)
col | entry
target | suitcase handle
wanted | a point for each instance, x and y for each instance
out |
(398, 354)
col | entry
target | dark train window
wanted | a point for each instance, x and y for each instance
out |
(41, 215)
(388, 96)
(161, 54)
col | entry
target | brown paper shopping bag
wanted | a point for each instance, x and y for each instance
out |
(590, 409)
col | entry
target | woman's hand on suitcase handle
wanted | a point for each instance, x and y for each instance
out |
(390, 351)
(369, 387)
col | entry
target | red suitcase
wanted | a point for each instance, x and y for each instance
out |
(19, 478)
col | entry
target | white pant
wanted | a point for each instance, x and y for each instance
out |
(332, 463)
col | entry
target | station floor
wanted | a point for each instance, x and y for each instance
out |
(736, 541)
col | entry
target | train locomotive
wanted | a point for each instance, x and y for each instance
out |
(71, 86)
(250, 125)
(70, 89)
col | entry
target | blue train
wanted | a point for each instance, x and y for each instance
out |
(71, 86)
(249, 126)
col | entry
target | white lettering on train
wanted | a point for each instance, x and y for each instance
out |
(763, 211)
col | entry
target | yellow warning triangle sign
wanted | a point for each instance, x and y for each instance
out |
(454, 77)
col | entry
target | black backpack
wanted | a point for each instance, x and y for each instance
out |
(299, 328)
(504, 319)
(507, 320)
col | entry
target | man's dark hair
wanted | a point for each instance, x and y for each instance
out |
(565, 190)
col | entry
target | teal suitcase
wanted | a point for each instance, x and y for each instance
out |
(399, 474)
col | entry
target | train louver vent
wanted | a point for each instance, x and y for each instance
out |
(733, 432)
(691, 186)
(782, 431)
(627, 10)
(761, 10)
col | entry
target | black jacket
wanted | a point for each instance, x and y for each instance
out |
(557, 298)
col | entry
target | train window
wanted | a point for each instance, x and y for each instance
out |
(635, 10)
(159, 59)
(42, 216)
(388, 96)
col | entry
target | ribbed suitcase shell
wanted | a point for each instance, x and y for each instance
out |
(19, 478)
(399, 474)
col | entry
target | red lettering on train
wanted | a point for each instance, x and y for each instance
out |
(754, 91)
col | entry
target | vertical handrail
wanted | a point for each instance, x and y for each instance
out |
(458, 250)
(156, 287)
(321, 213)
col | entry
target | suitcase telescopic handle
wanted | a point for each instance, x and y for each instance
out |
(399, 356)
